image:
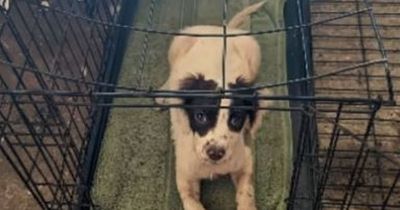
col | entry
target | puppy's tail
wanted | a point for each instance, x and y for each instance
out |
(240, 17)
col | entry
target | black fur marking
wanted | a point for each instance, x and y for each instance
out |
(197, 83)
(201, 120)
(238, 116)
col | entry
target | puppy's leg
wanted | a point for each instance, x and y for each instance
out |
(196, 190)
(189, 192)
(242, 179)
(244, 191)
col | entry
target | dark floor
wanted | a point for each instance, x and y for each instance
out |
(13, 194)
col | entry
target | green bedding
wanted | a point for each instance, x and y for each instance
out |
(136, 165)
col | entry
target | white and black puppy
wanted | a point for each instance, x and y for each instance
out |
(211, 141)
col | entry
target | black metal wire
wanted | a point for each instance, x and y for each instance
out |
(45, 151)
(300, 152)
(67, 159)
(258, 86)
(145, 44)
(54, 113)
(66, 48)
(304, 46)
(381, 49)
(368, 88)
(390, 192)
(357, 179)
(329, 159)
(376, 163)
(224, 47)
(173, 33)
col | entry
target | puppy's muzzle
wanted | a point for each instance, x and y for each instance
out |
(215, 153)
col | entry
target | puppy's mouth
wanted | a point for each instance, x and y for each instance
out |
(213, 162)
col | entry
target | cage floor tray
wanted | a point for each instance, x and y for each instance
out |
(136, 164)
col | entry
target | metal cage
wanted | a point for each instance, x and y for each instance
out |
(57, 77)
(46, 138)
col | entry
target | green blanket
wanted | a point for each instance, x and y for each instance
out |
(136, 165)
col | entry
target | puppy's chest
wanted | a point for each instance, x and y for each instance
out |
(208, 171)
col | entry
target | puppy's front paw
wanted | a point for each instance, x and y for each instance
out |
(245, 200)
(249, 206)
(189, 192)
(245, 196)
(194, 207)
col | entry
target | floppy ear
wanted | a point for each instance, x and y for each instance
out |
(180, 45)
(249, 50)
(260, 113)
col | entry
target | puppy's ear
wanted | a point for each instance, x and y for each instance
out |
(260, 113)
(180, 45)
(249, 50)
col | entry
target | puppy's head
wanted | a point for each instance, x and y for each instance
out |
(218, 132)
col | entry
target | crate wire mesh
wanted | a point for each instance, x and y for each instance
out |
(45, 137)
(346, 167)
(56, 86)
(369, 176)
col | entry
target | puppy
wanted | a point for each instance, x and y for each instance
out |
(212, 141)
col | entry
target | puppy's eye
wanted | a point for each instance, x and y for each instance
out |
(236, 121)
(200, 117)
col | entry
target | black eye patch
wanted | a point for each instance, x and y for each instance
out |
(238, 116)
(201, 119)
(236, 119)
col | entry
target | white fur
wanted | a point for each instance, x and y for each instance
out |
(191, 56)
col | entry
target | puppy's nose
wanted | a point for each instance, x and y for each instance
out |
(215, 153)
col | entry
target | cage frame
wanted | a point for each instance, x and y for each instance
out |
(301, 86)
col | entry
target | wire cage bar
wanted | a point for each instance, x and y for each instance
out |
(59, 64)
(344, 165)
(44, 141)
(356, 159)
